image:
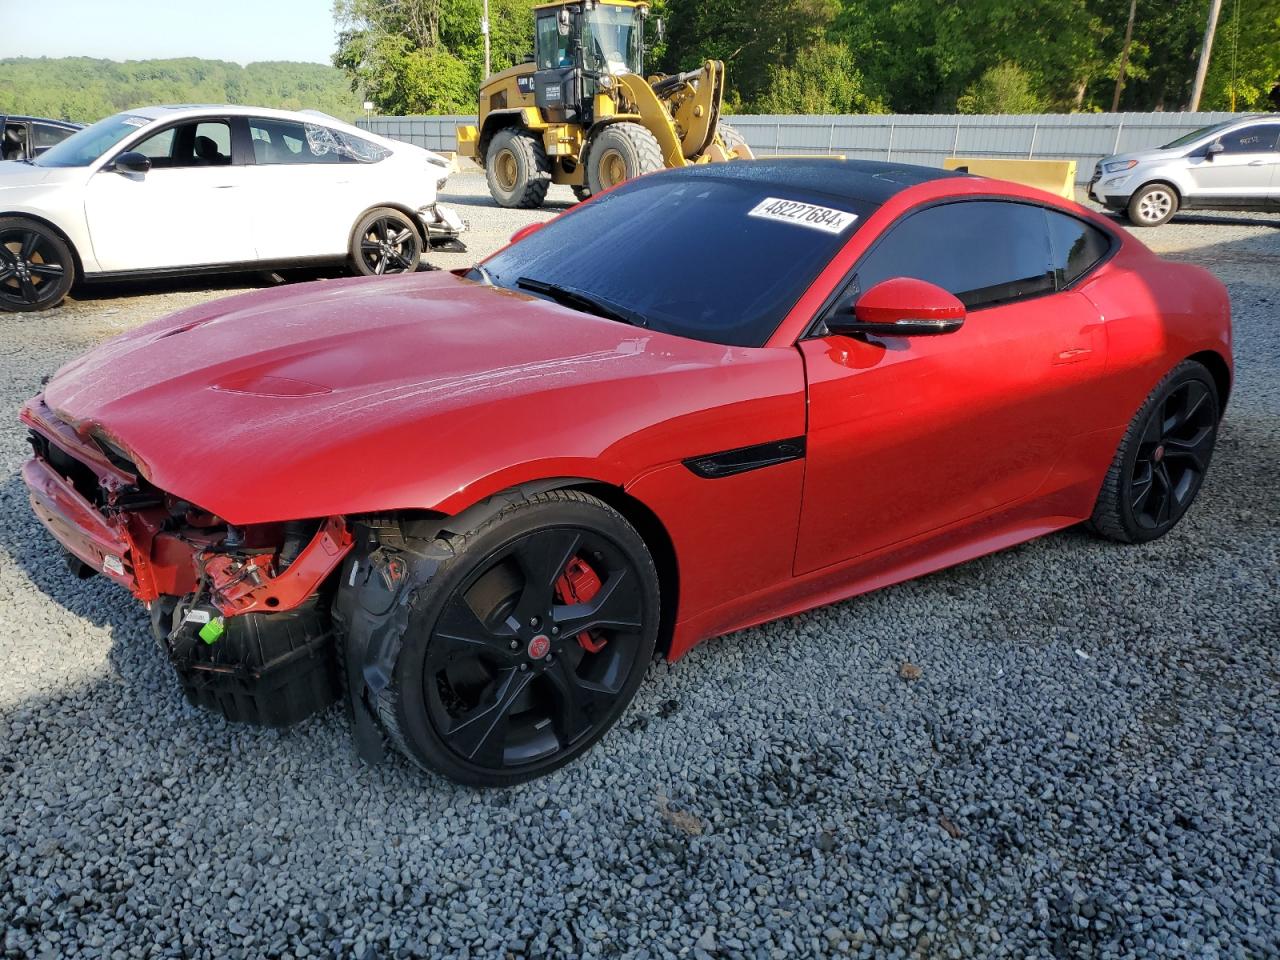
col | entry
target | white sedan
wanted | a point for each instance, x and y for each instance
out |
(178, 190)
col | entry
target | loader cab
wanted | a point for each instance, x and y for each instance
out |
(576, 44)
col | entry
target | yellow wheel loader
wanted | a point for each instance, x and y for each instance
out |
(581, 112)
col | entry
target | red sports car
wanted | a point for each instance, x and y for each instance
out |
(473, 505)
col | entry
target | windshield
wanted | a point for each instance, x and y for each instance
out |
(612, 40)
(81, 149)
(1194, 135)
(705, 256)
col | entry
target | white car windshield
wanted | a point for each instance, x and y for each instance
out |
(81, 149)
(1194, 135)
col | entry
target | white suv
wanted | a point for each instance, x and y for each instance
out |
(192, 189)
(1228, 166)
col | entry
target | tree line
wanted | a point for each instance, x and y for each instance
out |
(856, 56)
(84, 89)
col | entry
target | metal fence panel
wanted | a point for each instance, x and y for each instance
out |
(925, 138)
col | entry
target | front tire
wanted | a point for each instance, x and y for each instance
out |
(620, 152)
(1153, 205)
(37, 267)
(518, 169)
(385, 241)
(525, 645)
(1162, 460)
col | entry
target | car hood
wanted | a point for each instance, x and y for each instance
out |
(16, 173)
(342, 396)
(1148, 156)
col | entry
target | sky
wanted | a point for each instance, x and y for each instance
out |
(238, 30)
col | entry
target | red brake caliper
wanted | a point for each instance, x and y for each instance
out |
(579, 584)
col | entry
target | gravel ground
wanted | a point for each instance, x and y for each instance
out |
(1084, 763)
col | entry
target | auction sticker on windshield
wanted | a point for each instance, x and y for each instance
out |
(804, 215)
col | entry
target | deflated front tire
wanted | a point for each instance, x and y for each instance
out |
(524, 644)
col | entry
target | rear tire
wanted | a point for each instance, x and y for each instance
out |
(1153, 205)
(733, 140)
(518, 169)
(37, 267)
(488, 689)
(1162, 460)
(621, 152)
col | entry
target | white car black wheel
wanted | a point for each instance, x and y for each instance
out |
(36, 266)
(385, 241)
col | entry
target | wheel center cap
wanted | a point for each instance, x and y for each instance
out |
(1158, 454)
(539, 647)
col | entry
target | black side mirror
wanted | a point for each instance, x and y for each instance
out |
(1213, 149)
(131, 162)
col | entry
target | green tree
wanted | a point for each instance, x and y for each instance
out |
(1246, 56)
(753, 38)
(826, 82)
(83, 89)
(1004, 88)
(427, 56)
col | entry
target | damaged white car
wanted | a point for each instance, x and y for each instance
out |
(206, 189)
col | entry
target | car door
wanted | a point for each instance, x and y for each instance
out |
(306, 190)
(1244, 173)
(911, 435)
(190, 209)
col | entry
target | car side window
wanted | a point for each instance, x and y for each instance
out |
(1075, 247)
(202, 143)
(985, 252)
(158, 148)
(284, 141)
(44, 135)
(14, 144)
(553, 48)
(1259, 138)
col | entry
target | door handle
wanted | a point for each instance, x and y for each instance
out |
(1258, 163)
(1074, 355)
(225, 186)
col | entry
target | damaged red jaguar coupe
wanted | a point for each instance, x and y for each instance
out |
(473, 505)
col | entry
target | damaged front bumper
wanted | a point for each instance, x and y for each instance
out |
(271, 659)
(444, 227)
(135, 534)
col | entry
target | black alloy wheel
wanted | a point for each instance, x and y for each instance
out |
(1162, 462)
(539, 634)
(36, 266)
(1173, 455)
(386, 242)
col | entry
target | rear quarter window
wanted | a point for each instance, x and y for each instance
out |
(1076, 247)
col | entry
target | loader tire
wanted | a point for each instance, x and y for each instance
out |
(518, 169)
(620, 152)
(733, 140)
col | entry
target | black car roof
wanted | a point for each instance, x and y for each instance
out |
(25, 119)
(871, 181)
